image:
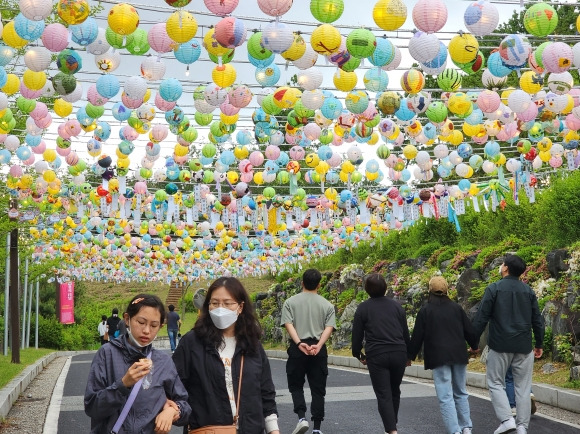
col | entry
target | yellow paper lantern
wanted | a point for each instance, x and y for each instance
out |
(463, 48)
(331, 194)
(120, 155)
(456, 137)
(471, 130)
(285, 97)
(11, 38)
(347, 167)
(229, 120)
(180, 150)
(123, 163)
(49, 155)
(53, 189)
(34, 80)
(322, 168)
(62, 108)
(181, 26)
(259, 178)
(371, 176)
(345, 81)
(123, 19)
(325, 39)
(390, 14)
(233, 177)
(213, 46)
(296, 50)
(412, 81)
(49, 175)
(224, 75)
(374, 139)
(241, 152)
(73, 12)
(569, 105)
(531, 82)
(312, 160)
(12, 84)
(544, 156)
(459, 104)
(343, 176)
(410, 152)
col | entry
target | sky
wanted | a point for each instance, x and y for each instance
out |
(298, 18)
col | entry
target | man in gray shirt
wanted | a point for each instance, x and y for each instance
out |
(309, 320)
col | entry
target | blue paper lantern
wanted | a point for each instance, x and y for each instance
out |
(85, 33)
(324, 153)
(376, 80)
(404, 113)
(23, 152)
(268, 76)
(5, 156)
(170, 89)
(491, 148)
(6, 54)
(126, 147)
(108, 86)
(28, 29)
(331, 108)
(283, 160)
(120, 112)
(384, 53)
(227, 157)
(103, 131)
(496, 66)
(32, 141)
(439, 60)
(188, 52)
(261, 63)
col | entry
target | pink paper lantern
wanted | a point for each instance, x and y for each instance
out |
(63, 152)
(297, 152)
(488, 101)
(245, 166)
(74, 127)
(159, 132)
(290, 138)
(16, 171)
(247, 177)
(44, 123)
(240, 96)
(228, 109)
(272, 152)
(572, 122)
(230, 32)
(40, 148)
(94, 97)
(40, 111)
(163, 105)
(30, 161)
(28, 93)
(529, 114)
(275, 8)
(140, 187)
(221, 7)
(337, 140)
(72, 159)
(557, 57)
(256, 158)
(55, 37)
(312, 131)
(430, 16)
(131, 103)
(130, 133)
(159, 40)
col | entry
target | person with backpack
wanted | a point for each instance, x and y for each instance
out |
(103, 330)
(113, 323)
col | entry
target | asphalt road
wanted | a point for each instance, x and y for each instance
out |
(350, 406)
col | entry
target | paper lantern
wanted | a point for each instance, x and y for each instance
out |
(224, 75)
(123, 19)
(34, 80)
(561, 83)
(325, 39)
(188, 52)
(6, 54)
(55, 37)
(430, 16)
(557, 57)
(268, 76)
(37, 59)
(11, 38)
(275, 8)
(345, 81)
(412, 81)
(514, 50)
(326, 11)
(36, 10)
(137, 42)
(152, 69)
(361, 43)
(541, 19)
(73, 12)
(170, 89)
(313, 99)
(221, 7)
(436, 112)
(449, 80)
(240, 96)
(423, 47)
(28, 29)
(135, 87)
(181, 26)
(463, 48)
(230, 32)
(376, 80)
(296, 50)
(519, 101)
(384, 52)
(159, 40)
(308, 59)
(64, 84)
(86, 32)
(390, 14)
(100, 44)
(356, 101)
(108, 86)
(69, 61)
(75, 95)
(310, 79)
(531, 82)
(277, 37)
(488, 101)
(481, 17)
(108, 61)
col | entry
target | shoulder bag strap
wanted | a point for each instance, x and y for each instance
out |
(128, 404)
(237, 416)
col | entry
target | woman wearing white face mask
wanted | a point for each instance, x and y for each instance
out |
(209, 362)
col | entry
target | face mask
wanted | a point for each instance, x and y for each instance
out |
(135, 342)
(500, 268)
(223, 318)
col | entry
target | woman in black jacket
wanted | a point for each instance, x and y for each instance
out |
(381, 322)
(442, 328)
(208, 361)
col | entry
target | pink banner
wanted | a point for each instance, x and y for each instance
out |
(67, 298)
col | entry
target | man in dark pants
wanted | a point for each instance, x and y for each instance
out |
(309, 320)
(113, 323)
(173, 326)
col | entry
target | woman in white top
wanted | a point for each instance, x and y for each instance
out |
(103, 330)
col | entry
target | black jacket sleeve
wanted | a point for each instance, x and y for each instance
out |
(418, 336)
(405, 328)
(469, 331)
(267, 387)
(357, 333)
(537, 323)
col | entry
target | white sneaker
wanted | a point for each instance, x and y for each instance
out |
(301, 427)
(466, 430)
(521, 429)
(506, 426)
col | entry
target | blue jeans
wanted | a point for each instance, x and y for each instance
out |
(509, 387)
(172, 338)
(450, 386)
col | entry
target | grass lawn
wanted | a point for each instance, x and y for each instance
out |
(10, 370)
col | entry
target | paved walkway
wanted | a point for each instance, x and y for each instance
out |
(351, 406)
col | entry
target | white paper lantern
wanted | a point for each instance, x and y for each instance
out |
(202, 106)
(519, 101)
(423, 47)
(277, 37)
(560, 83)
(152, 68)
(441, 151)
(36, 10)
(307, 60)
(215, 95)
(490, 81)
(108, 61)
(135, 87)
(481, 18)
(48, 90)
(75, 95)
(275, 8)
(11, 143)
(37, 59)
(488, 166)
(312, 99)
(557, 150)
(513, 165)
(100, 45)
(3, 101)
(31, 128)
(555, 103)
(310, 79)
(455, 158)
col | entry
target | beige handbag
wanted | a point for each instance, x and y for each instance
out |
(225, 429)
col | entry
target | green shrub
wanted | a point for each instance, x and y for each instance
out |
(531, 253)
(427, 250)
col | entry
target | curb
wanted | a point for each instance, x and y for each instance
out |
(554, 396)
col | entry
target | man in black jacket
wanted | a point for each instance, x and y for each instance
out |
(113, 323)
(511, 308)
(442, 327)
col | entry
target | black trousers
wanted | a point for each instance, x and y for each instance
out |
(386, 371)
(315, 368)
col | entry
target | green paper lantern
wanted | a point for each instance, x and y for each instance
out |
(255, 47)
(25, 105)
(361, 43)
(383, 152)
(436, 112)
(303, 111)
(137, 43)
(114, 39)
(327, 11)
(203, 119)
(208, 150)
(269, 106)
(94, 111)
(352, 64)
(226, 58)
(541, 19)
(189, 135)
(64, 84)
(449, 80)
(326, 136)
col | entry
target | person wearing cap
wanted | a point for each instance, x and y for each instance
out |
(511, 308)
(442, 327)
(381, 323)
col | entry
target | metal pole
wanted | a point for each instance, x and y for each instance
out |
(7, 294)
(29, 314)
(36, 323)
(25, 288)
(14, 297)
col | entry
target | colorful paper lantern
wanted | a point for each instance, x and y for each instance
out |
(296, 50)
(514, 50)
(361, 43)
(412, 81)
(108, 61)
(557, 57)
(390, 14)
(423, 47)
(326, 11)
(463, 48)
(449, 80)
(268, 76)
(541, 19)
(181, 26)
(481, 17)
(69, 61)
(73, 12)
(325, 39)
(123, 19)
(430, 16)
(230, 32)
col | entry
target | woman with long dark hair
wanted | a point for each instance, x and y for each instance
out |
(209, 361)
